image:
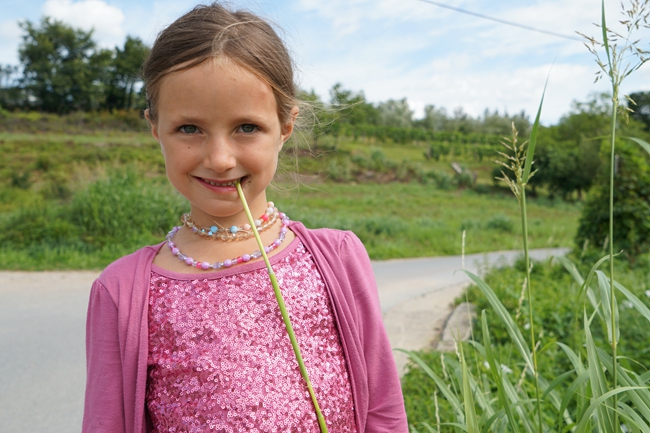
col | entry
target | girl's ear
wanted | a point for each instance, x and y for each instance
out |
(287, 128)
(152, 125)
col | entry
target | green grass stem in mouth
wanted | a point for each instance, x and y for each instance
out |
(283, 310)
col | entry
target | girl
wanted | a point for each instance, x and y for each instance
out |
(186, 335)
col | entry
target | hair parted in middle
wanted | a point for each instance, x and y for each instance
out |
(213, 32)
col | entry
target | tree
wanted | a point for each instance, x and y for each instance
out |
(11, 95)
(435, 118)
(640, 107)
(396, 113)
(352, 107)
(631, 205)
(501, 124)
(124, 79)
(63, 70)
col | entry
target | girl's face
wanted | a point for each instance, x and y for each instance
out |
(218, 123)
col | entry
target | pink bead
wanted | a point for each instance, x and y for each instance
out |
(205, 265)
(189, 260)
(264, 217)
(227, 263)
(245, 257)
(277, 242)
(246, 226)
(175, 251)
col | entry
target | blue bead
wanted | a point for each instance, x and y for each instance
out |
(213, 229)
(234, 229)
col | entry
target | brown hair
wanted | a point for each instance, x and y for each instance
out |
(212, 31)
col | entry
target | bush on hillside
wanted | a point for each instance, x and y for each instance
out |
(631, 206)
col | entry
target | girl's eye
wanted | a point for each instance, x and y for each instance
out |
(189, 129)
(248, 128)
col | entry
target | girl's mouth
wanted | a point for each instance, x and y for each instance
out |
(225, 184)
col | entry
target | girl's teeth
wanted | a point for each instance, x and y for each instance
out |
(220, 184)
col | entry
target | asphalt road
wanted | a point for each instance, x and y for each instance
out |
(42, 327)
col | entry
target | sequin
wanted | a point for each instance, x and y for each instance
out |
(220, 359)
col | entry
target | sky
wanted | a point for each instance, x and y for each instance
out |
(392, 49)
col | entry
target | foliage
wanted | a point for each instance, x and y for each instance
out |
(122, 91)
(351, 107)
(61, 66)
(395, 113)
(631, 206)
(555, 316)
(109, 218)
(73, 173)
(515, 380)
(639, 103)
(63, 70)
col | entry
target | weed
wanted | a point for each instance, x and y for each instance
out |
(553, 380)
(500, 222)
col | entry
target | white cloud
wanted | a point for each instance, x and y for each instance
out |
(9, 41)
(347, 16)
(395, 49)
(97, 15)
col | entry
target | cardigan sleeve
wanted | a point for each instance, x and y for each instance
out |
(103, 405)
(386, 411)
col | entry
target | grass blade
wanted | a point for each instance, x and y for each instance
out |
(603, 25)
(556, 382)
(571, 269)
(597, 403)
(532, 141)
(641, 398)
(635, 421)
(504, 316)
(496, 372)
(598, 386)
(606, 298)
(636, 302)
(644, 144)
(468, 396)
(444, 389)
(570, 392)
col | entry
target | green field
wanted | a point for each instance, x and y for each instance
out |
(66, 200)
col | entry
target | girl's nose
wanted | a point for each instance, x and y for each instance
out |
(219, 155)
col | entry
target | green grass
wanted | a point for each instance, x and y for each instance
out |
(49, 180)
(558, 318)
(413, 220)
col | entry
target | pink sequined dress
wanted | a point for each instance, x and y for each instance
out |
(220, 359)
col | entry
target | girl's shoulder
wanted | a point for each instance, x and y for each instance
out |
(333, 241)
(130, 267)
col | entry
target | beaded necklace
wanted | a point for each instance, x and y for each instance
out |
(228, 262)
(233, 233)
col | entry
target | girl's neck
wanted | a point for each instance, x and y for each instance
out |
(204, 219)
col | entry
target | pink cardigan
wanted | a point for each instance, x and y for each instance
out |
(117, 337)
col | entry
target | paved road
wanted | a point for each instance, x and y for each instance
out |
(42, 325)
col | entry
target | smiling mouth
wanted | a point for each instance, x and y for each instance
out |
(230, 183)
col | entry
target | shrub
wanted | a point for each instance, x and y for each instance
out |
(500, 222)
(631, 206)
(125, 205)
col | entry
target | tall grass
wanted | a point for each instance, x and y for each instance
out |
(599, 392)
(109, 218)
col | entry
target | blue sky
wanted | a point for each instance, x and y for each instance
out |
(391, 48)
